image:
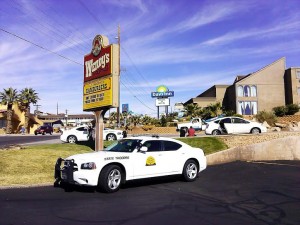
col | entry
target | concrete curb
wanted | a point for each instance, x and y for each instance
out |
(287, 148)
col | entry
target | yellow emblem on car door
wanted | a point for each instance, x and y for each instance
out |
(150, 161)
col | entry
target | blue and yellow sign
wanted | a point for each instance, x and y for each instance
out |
(162, 92)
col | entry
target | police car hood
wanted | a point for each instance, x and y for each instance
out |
(91, 157)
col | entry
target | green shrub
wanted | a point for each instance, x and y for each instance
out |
(163, 121)
(292, 109)
(238, 115)
(269, 117)
(280, 110)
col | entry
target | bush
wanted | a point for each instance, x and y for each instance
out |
(280, 110)
(238, 115)
(163, 121)
(269, 117)
(286, 110)
(147, 127)
(292, 109)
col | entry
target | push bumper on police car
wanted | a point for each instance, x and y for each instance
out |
(64, 173)
(74, 172)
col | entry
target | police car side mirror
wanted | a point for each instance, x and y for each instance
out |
(143, 149)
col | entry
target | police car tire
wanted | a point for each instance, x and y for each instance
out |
(110, 179)
(190, 170)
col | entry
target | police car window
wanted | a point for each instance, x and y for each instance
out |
(153, 146)
(171, 146)
(124, 145)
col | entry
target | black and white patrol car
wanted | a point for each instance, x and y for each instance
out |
(129, 159)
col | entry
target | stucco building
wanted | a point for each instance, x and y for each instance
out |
(270, 86)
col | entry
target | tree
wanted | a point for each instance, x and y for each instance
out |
(135, 119)
(26, 97)
(192, 110)
(163, 121)
(146, 120)
(112, 117)
(9, 97)
(215, 109)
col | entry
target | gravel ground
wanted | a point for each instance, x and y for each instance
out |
(247, 139)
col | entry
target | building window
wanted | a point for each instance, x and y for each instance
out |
(253, 91)
(298, 74)
(247, 91)
(298, 90)
(240, 91)
(247, 108)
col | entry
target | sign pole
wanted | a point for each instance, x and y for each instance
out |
(99, 129)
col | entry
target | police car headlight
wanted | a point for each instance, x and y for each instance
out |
(88, 166)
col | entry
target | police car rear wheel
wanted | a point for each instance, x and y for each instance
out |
(110, 179)
(190, 171)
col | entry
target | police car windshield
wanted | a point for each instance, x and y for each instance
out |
(126, 145)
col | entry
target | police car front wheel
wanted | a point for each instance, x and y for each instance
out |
(110, 179)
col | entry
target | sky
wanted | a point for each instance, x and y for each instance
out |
(186, 45)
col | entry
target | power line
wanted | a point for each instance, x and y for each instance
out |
(41, 47)
(48, 50)
(136, 97)
(99, 21)
(45, 27)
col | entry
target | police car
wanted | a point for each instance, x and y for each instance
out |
(129, 159)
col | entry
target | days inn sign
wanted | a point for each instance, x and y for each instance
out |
(162, 92)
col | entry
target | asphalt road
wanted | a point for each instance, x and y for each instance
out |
(18, 139)
(234, 193)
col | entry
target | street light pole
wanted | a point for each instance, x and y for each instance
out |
(118, 108)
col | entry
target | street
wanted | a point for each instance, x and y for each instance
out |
(265, 193)
(18, 139)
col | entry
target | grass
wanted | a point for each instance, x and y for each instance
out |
(35, 164)
(207, 144)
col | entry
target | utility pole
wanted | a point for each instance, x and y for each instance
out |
(66, 115)
(57, 108)
(118, 108)
(36, 111)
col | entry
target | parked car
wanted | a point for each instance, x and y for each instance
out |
(129, 159)
(233, 125)
(44, 130)
(84, 133)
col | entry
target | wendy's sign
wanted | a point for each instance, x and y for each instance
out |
(98, 63)
(101, 75)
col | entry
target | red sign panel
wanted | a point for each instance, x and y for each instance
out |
(98, 66)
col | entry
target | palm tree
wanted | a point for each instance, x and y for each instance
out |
(135, 119)
(27, 96)
(215, 109)
(9, 97)
(192, 110)
(112, 117)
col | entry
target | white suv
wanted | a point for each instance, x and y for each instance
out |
(83, 133)
(129, 159)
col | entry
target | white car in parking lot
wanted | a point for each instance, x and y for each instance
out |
(82, 133)
(233, 125)
(129, 159)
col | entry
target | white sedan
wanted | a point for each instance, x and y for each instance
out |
(83, 133)
(233, 125)
(129, 159)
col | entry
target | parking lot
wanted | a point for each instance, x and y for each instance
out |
(232, 193)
